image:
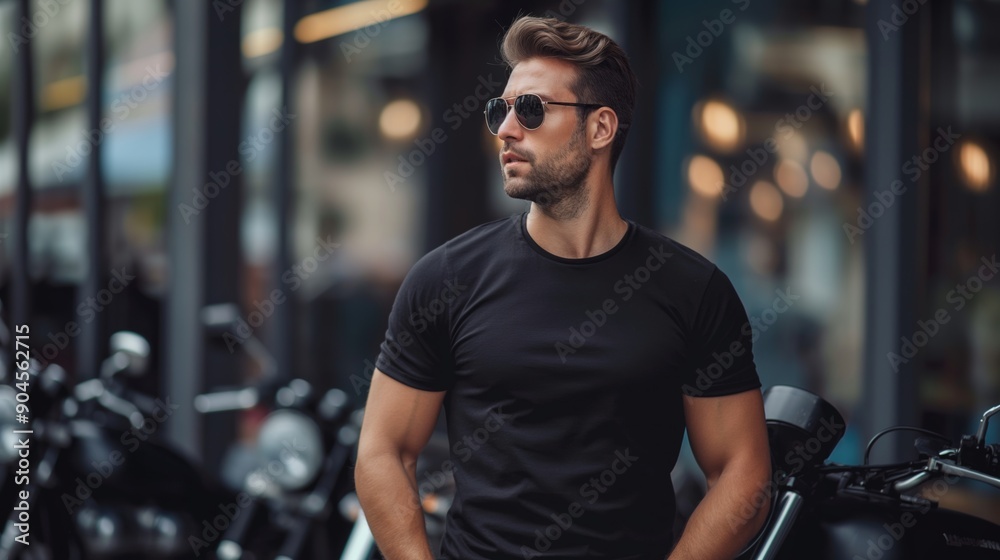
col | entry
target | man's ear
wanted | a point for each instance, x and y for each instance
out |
(602, 128)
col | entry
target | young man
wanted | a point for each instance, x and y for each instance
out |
(569, 347)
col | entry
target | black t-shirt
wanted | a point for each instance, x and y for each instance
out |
(565, 380)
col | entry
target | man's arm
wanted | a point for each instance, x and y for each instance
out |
(398, 423)
(729, 440)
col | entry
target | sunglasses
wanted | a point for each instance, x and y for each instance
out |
(528, 108)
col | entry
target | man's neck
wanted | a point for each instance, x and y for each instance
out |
(594, 229)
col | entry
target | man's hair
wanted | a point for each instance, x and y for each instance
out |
(604, 76)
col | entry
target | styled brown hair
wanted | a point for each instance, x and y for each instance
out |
(604, 75)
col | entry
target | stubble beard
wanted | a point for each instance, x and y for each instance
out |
(556, 185)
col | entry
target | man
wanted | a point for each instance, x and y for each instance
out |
(569, 348)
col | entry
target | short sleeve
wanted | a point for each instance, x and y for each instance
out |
(721, 343)
(417, 346)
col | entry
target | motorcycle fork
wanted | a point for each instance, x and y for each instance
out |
(789, 507)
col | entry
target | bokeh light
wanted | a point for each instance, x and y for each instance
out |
(825, 170)
(766, 201)
(705, 176)
(791, 177)
(400, 119)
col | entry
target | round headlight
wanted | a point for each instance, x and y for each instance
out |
(290, 448)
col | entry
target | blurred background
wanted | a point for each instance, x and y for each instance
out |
(296, 157)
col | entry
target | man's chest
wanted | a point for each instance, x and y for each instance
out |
(584, 337)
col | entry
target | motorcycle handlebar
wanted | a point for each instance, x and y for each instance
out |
(935, 466)
(222, 401)
(94, 389)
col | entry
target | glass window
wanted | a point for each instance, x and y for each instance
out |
(956, 344)
(361, 109)
(761, 138)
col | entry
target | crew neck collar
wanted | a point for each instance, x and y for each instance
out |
(586, 260)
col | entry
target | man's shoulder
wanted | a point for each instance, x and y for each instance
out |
(459, 251)
(481, 237)
(681, 258)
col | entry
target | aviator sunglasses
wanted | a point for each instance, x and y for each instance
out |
(528, 108)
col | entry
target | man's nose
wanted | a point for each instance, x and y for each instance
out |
(510, 129)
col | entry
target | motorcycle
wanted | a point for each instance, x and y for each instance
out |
(298, 501)
(285, 503)
(96, 484)
(823, 511)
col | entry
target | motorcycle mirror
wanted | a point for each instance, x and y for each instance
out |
(984, 422)
(129, 353)
(220, 318)
(333, 405)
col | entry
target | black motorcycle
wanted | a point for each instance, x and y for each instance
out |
(98, 484)
(297, 500)
(287, 499)
(830, 511)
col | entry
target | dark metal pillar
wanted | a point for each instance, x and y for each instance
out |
(183, 341)
(92, 340)
(635, 167)
(222, 129)
(283, 323)
(895, 245)
(203, 242)
(23, 109)
(462, 56)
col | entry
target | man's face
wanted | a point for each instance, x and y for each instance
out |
(549, 164)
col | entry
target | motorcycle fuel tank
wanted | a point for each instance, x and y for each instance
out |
(849, 529)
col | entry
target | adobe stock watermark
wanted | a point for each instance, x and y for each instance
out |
(250, 149)
(258, 481)
(121, 107)
(225, 7)
(753, 328)
(425, 147)
(592, 491)
(900, 15)
(927, 329)
(87, 311)
(47, 10)
(913, 168)
(626, 287)
(419, 320)
(785, 127)
(293, 279)
(131, 439)
(697, 44)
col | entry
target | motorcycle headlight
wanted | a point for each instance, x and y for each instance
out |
(801, 426)
(290, 448)
(8, 423)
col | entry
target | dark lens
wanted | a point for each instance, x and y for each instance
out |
(496, 112)
(529, 110)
